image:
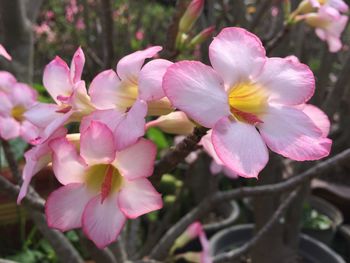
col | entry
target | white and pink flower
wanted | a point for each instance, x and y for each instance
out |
(134, 90)
(15, 100)
(250, 101)
(102, 186)
(329, 25)
(65, 86)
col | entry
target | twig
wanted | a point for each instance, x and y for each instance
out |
(170, 51)
(11, 161)
(235, 254)
(63, 248)
(259, 14)
(118, 250)
(13, 190)
(332, 101)
(98, 255)
(174, 156)
(161, 250)
(273, 43)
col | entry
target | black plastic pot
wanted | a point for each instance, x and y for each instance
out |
(333, 213)
(311, 250)
(230, 212)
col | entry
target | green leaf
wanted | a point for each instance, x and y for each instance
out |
(158, 137)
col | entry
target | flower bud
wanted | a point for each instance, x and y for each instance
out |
(202, 36)
(191, 15)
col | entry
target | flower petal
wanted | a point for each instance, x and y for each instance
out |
(77, 65)
(240, 147)
(97, 144)
(5, 104)
(105, 90)
(7, 80)
(64, 207)
(132, 126)
(23, 95)
(111, 118)
(197, 90)
(9, 128)
(291, 133)
(128, 68)
(138, 197)
(237, 55)
(42, 114)
(29, 131)
(67, 165)
(151, 79)
(287, 81)
(37, 158)
(319, 118)
(136, 161)
(57, 80)
(4, 53)
(102, 222)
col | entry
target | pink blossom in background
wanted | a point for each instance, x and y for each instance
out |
(274, 11)
(71, 10)
(80, 25)
(329, 25)
(102, 186)
(4, 53)
(13, 106)
(45, 29)
(250, 101)
(139, 35)
(49, 15)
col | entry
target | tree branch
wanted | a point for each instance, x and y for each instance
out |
(160, 251)
(235, 254)
(273, 43)
(174, 156)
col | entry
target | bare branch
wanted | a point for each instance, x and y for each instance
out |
(160, 251)
(179, 153)
(235, 254)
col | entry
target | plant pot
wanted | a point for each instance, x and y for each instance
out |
(311, 250)
(336, 194)
(333, 213)
(230, 213)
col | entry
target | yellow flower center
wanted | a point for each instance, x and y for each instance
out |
(17, 113)
(104, 178)
(247, 102)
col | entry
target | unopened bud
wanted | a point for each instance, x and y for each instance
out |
(191, 15)
(202, 36)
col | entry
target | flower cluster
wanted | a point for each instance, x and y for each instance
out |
(248, 102)
(328, 19)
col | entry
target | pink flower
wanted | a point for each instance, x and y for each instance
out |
(37, 158)
(309, 6)
(250, 101)
(329, 25)
(135, 91)
(4, 53)
(191, 15)
(195, 230)
(13, 106)
(139, 35)
(80, 25)
(102, 186)
(7, 81)
(65, 86)
(216, 166)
